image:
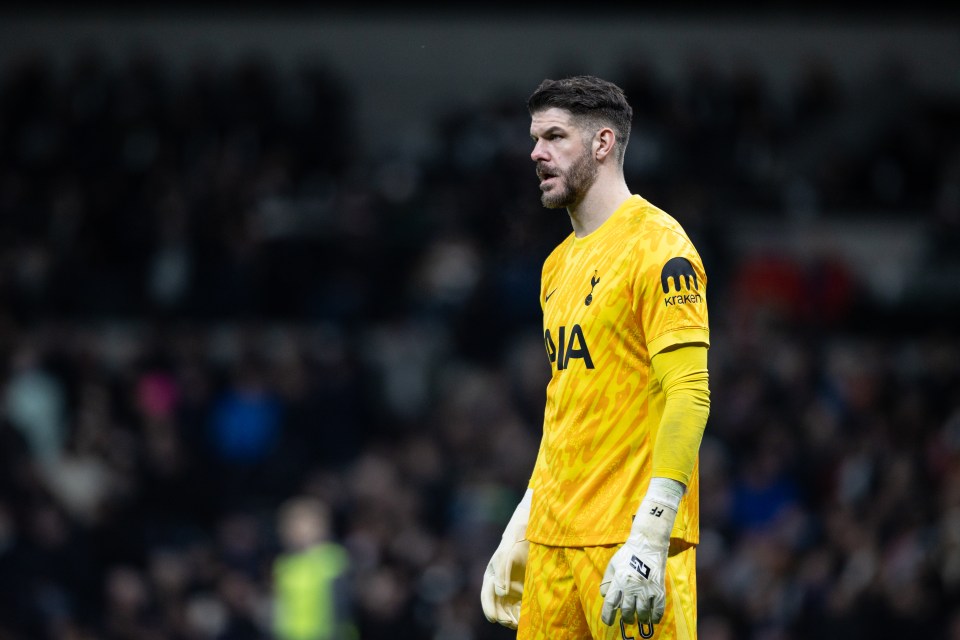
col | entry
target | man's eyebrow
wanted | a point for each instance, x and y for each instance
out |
(551, 130)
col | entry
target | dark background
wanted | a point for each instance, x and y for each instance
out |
(249, 253)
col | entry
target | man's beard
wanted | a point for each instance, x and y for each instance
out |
(576, 181)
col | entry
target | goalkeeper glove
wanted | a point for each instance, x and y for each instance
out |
(503, 580)
(634, 579)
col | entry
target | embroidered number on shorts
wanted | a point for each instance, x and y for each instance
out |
(645, 629)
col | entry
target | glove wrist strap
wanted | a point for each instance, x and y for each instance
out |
(657, 512)
(666, 492)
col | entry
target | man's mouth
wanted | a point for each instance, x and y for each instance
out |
(545, 175)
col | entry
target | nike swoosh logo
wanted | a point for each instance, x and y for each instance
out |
(549, 294)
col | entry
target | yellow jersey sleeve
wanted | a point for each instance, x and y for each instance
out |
(671, 295)
(683, 376)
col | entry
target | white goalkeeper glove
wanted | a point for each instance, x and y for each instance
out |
(634, 579)
(503, 580)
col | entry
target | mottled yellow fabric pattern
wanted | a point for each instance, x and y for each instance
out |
(561, 601)
(612, 300)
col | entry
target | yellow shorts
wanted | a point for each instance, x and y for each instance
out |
(561, 596)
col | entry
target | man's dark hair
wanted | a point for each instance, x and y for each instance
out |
(591, 100)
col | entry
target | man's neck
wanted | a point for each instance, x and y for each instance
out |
(597, 206)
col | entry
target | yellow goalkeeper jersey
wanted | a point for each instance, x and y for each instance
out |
(611, 301)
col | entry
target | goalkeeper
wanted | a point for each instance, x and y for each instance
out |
(603, 543)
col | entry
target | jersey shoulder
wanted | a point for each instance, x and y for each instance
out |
(657, 235)
(648, 219)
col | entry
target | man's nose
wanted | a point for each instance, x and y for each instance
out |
(538, 153)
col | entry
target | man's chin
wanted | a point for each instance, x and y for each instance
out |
(553, 200)
(555, 203)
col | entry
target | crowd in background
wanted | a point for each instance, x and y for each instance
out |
(212, 303)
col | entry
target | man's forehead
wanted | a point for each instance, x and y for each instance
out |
(552, 117)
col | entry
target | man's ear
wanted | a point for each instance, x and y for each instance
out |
(603, 143)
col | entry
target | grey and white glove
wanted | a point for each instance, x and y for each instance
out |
(634, 580)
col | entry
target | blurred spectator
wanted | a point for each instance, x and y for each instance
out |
(311, 595)
(246, 426)
(35, 403)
